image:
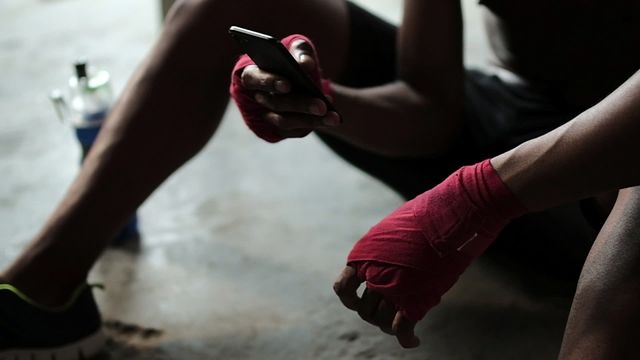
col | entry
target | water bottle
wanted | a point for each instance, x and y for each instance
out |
(86, 107)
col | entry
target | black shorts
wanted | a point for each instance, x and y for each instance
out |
(498, 116)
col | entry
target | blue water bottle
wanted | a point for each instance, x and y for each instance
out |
(90, 99)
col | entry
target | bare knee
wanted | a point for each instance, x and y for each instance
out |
(206, 23)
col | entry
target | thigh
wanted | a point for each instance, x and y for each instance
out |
(371, 54)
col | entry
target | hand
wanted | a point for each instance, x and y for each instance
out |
(268, 105)
(374, 308)
(414, 255)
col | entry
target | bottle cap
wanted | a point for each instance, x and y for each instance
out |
(81, 68)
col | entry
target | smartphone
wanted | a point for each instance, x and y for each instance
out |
(270, 55)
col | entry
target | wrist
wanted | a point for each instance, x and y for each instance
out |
(467, 210)
(515, 174)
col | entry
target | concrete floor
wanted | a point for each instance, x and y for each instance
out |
(235, 263)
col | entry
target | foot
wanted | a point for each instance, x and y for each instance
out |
(32, 331)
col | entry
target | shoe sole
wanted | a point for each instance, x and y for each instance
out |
(79, 350)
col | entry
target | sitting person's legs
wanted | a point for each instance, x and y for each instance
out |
(169, 110)
(167, 113)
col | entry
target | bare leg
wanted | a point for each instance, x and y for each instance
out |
(604, 322)
(169, 110)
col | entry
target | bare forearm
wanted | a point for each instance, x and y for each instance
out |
(420, 113)
(394, 120)
(594, 153)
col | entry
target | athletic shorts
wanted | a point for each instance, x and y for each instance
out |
(500, 113)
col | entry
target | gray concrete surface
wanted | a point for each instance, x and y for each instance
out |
(239, 247)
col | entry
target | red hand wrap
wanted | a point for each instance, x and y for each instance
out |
(414, 255)
(253, 112)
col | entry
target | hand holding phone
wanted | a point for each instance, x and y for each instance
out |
(272, 56)
(274, 115)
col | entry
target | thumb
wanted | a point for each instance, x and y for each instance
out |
(405, 331)
(305, 55)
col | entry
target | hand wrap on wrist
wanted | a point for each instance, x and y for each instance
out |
(252, 112)
(414, 255)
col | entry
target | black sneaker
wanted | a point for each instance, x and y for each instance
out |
(33, 332)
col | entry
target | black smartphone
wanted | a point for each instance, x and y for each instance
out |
(270, 55)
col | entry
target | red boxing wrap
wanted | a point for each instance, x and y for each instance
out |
(414, 255)
(253, 112)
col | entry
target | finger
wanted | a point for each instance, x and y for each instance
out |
(288, 121)
(384, 316)
(405, 331)
(332, 119)
(292, 103)
(346, 287)
(294, 134)
(302, 51)
(369, 306)
(253, 78)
